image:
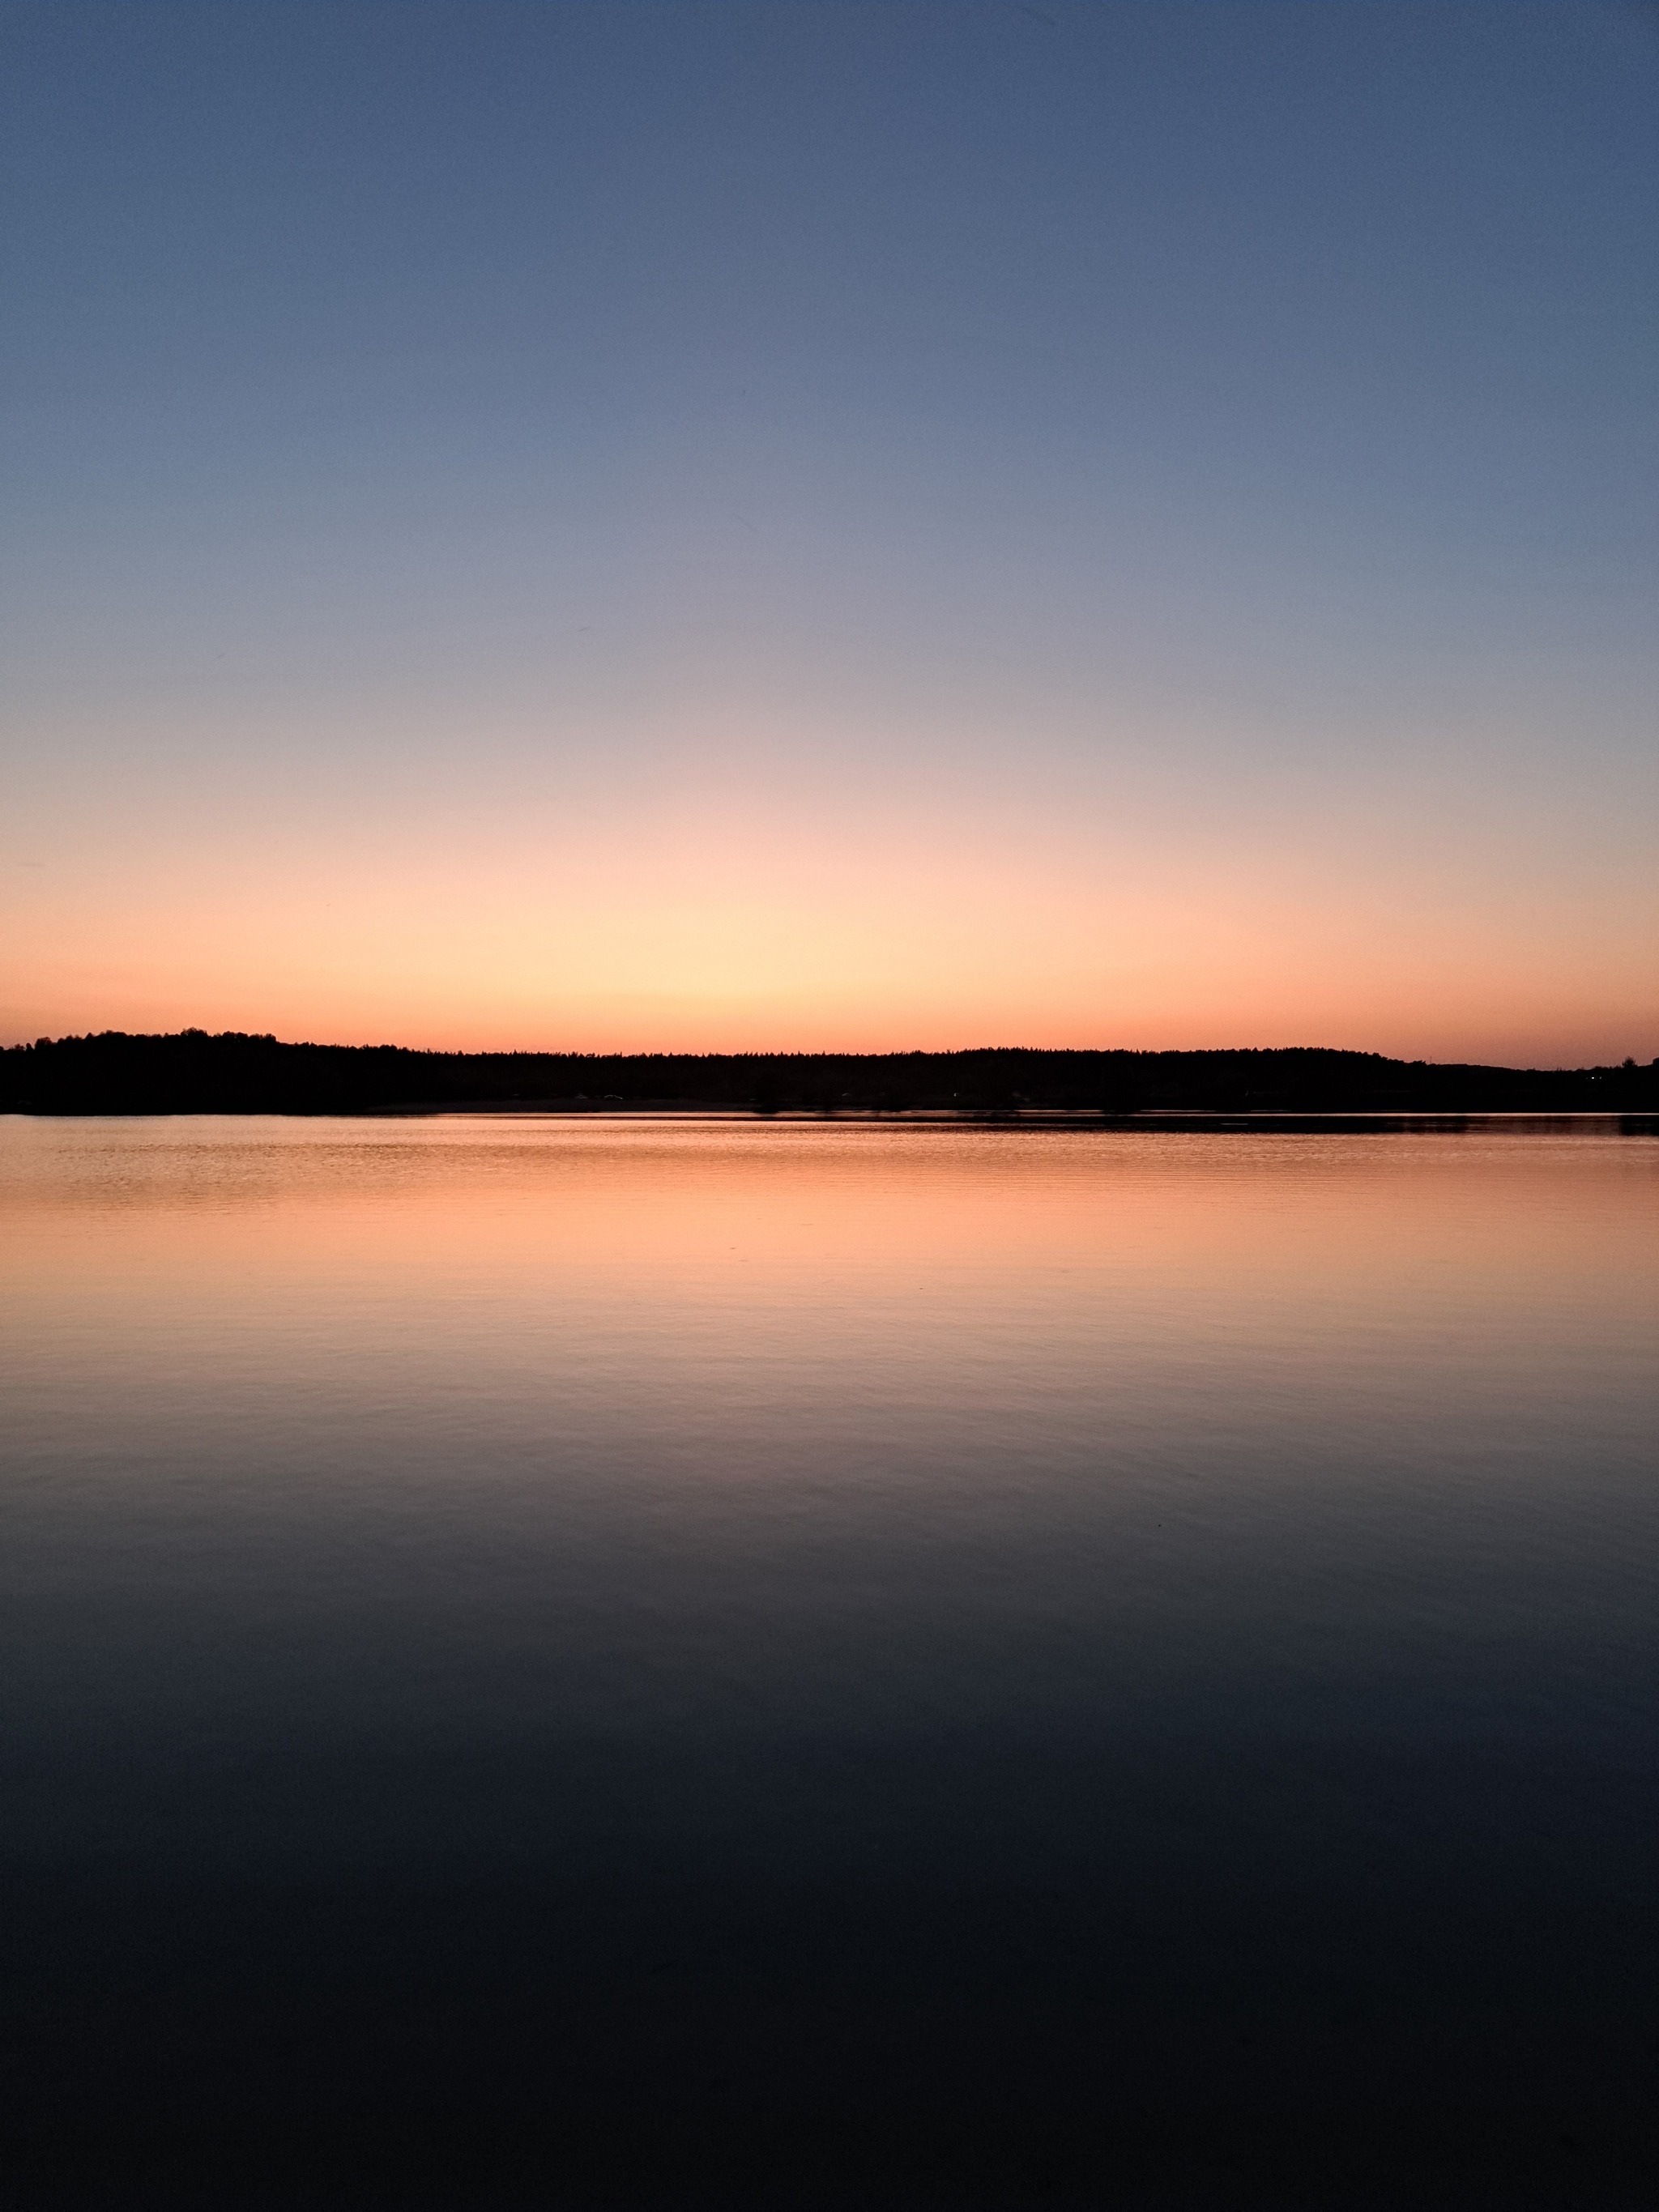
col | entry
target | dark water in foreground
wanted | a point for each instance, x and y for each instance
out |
(593, 1663)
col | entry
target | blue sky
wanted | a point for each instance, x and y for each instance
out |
(681, 523)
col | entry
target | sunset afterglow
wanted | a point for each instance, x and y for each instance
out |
(710, 529)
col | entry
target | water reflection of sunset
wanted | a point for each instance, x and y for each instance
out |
(854, 1273)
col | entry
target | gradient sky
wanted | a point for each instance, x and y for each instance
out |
(764, 526)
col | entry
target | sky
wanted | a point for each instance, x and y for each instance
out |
(668, 525)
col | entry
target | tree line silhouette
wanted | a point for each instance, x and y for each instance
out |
(232, 1073)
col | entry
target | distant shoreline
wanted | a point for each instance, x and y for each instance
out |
(193, 1073)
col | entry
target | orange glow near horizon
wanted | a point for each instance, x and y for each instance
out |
(1031, 556)
(734, 930)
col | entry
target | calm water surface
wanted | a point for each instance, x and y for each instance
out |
(606, 1662)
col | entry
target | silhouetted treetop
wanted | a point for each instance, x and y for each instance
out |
(233, 1072)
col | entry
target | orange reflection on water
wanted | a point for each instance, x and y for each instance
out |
(826, 1263)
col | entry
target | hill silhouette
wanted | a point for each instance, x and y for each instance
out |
(194, 1073)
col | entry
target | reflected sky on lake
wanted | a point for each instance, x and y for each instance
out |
(1245, 1544)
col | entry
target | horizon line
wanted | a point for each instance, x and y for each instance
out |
(567, 1052)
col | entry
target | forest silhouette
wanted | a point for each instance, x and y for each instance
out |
(232, 1073)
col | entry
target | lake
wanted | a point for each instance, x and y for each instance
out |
(611, 1661)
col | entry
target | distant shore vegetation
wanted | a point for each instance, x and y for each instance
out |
(232, 1073)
